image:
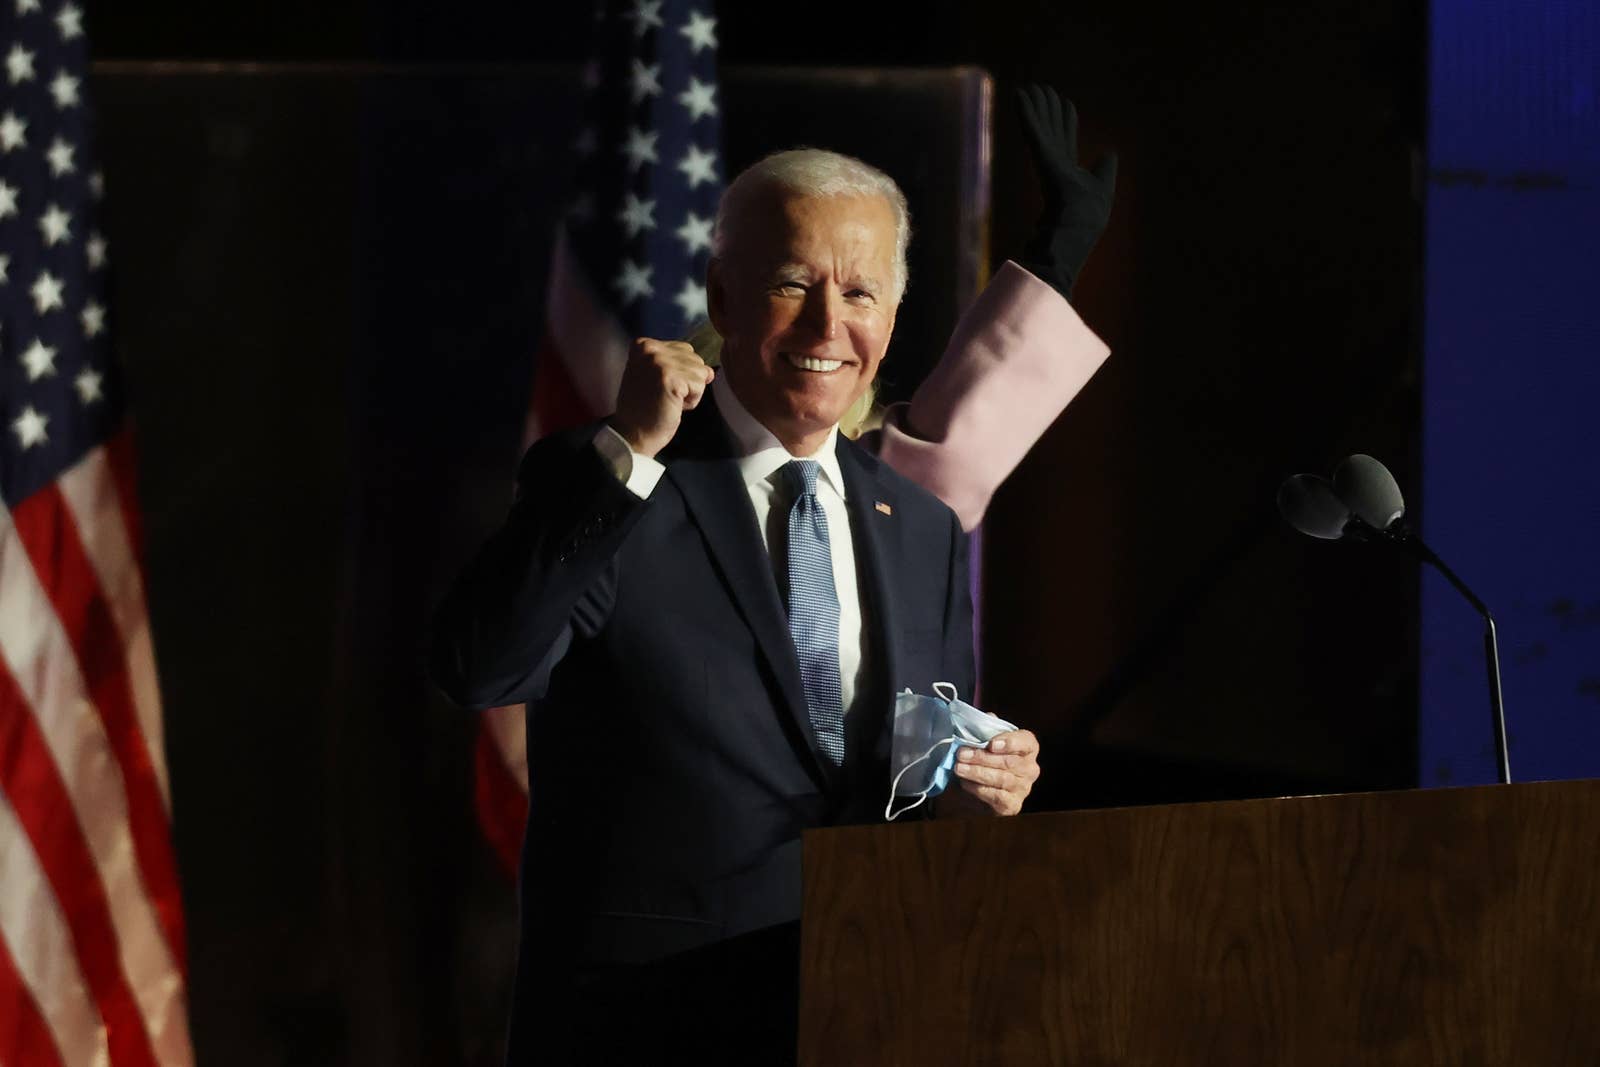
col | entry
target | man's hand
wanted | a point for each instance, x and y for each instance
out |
(662, 380)
(1002, 775)
(1077, 202)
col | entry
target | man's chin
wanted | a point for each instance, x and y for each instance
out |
(812, 412)
(804, 422)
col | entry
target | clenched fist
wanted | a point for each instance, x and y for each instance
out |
(662, 380)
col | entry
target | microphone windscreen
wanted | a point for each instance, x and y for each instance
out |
(1370, 490)
(1311, 506)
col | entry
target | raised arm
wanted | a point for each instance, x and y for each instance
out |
(544, 574)
(1021, 353)
(547, 575)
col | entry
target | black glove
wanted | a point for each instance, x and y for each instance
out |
(1077, 202)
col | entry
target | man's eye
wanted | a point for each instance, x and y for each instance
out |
(860, 294)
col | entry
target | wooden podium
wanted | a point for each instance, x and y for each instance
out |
(1445, 926)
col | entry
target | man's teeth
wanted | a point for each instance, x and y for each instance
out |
(810, 363)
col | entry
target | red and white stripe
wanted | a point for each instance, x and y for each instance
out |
(579, 366)
(91, 929)
(576, 376)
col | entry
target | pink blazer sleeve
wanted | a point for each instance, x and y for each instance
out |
(1015, 361)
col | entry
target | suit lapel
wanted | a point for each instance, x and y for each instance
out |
(876, 528)
(703, 467)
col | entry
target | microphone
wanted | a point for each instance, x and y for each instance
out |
(1311, 506)
(1364, 503)
(1370, 490)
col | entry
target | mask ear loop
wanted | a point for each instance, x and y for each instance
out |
(889, 814)
(940, 687)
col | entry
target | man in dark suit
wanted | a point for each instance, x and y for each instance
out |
(708, 601)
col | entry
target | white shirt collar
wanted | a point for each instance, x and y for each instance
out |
(761, 453)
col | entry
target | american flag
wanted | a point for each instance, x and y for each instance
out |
(628, 261)
(91, 926)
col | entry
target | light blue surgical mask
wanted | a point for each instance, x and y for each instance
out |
(927, 732)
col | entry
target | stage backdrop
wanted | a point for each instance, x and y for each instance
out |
(1511, 460)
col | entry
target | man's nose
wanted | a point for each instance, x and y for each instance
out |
(823, 304)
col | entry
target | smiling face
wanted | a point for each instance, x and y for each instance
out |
(803, 298)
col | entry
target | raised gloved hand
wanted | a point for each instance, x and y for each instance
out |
(1077, 202)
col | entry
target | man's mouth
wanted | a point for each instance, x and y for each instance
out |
(811, 363)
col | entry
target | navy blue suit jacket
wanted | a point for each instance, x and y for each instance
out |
(672, 764)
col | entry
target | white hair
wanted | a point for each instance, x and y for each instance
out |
(815, 172)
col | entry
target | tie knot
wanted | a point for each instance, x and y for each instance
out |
(801, 474)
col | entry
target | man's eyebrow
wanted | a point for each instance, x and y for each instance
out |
(799, 272)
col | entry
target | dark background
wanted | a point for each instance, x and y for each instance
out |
(1145, 610)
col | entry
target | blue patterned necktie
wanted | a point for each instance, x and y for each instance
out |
(814, 608)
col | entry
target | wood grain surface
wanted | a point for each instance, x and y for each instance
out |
(1447, 926)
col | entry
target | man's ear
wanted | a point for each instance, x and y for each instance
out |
(716, 295)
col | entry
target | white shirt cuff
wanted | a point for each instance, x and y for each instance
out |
(639, 473)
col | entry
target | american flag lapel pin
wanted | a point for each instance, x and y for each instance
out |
(885, 508)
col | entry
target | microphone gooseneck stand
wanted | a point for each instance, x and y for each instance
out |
(1491, 645)
(1362, 486)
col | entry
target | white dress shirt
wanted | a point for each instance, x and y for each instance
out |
(762, 457)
